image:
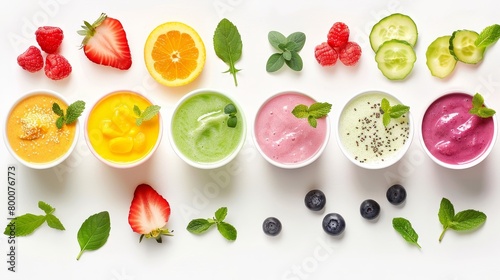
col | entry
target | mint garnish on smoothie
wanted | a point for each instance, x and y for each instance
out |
(478, 107)
(312, 113)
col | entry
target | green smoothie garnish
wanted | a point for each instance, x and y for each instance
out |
(145, 115)
(478, 107)
(312, 113)
(230, 110)
(392, 112)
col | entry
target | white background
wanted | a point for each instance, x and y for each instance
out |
(251, 188)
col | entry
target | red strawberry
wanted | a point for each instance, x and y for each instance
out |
(325, 55)
(106, 43)
(149, 213)
(350, 54)
(57, 67)
(338, 35)
(31, 60)
(49, 38)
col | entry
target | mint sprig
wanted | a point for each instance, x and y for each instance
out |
(312, 113)
(228, 45)
(198, 226)
(146, 115)
(392, 112)
(28, 223)
(231, 111)
(288, 48)
(478, 107)
(462, 221)
(73, 112)
(405, 229)
(488, 36)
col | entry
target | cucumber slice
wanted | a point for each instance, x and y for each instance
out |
(395, 58)
(439, 59)
(395, 26)
(463, 47)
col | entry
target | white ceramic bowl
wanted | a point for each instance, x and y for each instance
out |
(226, 159)
(54, 162)
(288, 164)
(468, 164)
(378, 163)
(125, 164)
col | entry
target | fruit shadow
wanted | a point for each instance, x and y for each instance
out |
(470, 182)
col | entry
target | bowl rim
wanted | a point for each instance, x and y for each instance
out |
(296, 165)
(56, 161)
(228, 158)
(394, 159)
(466, 165)
(127, 164)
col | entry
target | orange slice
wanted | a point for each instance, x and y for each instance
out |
(174, 54)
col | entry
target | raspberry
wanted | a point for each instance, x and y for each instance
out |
(31, 60)
(350, 54)
(338, 35)
(325, 55)
(49, 38)
(57, 67)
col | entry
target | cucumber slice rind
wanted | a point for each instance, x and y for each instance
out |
(394, 26)
(463, 47)
(395, 59)
(440, 61)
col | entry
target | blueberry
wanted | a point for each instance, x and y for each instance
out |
(315, 200)
(271, 226)
(396, 194)
(333, 224)
(369, 209)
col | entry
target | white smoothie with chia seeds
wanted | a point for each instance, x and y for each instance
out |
(362, 134)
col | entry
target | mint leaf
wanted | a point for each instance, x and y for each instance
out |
(275, 62)
(468, 220)
(227, 230)
(276, 39)
(54, 222)
(446, 212)
(462, 221)
(60, 122)
(45, 207)
(230, 109)
(299, 39)
(405, 229)
(287, 55)
(295, 63)
(319, 110)
(221, 214)
(137, 111)
(57, 109)
(198, 226)
(392, 112)
(94, 232)
(228, 45)
(488, 36)
(316, 111)
(301, 111)
(478, 107)
(147, 114)
(25, 224)
(74, 111)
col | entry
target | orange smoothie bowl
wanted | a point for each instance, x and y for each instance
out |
(113, 134)
(31, 134)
